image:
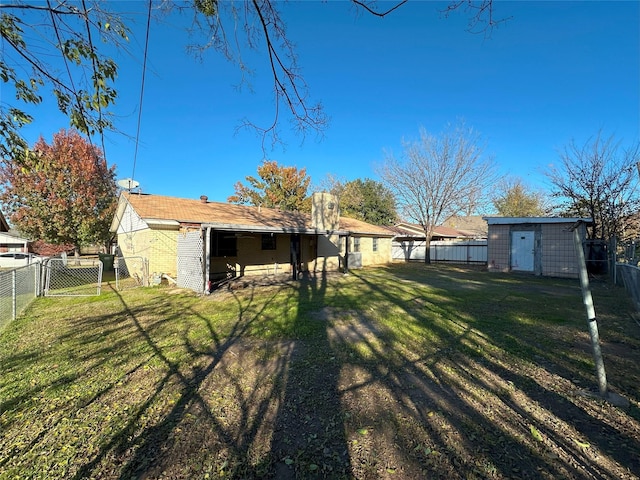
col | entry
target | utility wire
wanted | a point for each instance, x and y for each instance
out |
(95, 75)
(144, 69)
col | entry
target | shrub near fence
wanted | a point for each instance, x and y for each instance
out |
(18, 288)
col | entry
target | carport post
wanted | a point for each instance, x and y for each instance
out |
(591, 313)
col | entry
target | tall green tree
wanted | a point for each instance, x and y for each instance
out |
(514, 199)
(438, 176)
(366, 200)
(599, 180)
(275, 187)
(61, 49)
(62, 192)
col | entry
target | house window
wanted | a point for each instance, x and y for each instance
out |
(223, 244)
(268, 241)
(356, 244)
(375, 244)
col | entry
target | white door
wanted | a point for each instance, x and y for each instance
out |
(522, 245)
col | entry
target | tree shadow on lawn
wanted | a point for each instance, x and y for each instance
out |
(193, 437)
(336, 394)
(514, 417)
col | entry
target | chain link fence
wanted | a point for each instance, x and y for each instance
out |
(18, 288)
(131, 272)
(72, 277)
(625, 268)
(62, 276)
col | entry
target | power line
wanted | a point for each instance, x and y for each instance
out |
(144, 69)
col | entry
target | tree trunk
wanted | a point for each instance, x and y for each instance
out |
(427, 248)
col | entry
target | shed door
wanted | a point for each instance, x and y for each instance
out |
(522, 246)
(190, 261)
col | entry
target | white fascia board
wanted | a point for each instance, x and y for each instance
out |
(160, 223)
(234, 227)
(528, 220)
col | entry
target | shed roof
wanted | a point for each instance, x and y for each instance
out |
(160, 209)
(529, 220)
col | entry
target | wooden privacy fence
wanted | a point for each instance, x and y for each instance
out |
(467, 251)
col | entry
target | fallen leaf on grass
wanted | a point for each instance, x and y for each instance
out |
(535, 433)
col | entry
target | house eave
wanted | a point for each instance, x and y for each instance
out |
(232, 227)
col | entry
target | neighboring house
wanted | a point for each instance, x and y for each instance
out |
(10, 241)
(537, 245)
(197, 241)
(447, 244)
(414, 232)
(473, 226)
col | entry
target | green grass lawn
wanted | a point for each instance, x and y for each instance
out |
(407, 371)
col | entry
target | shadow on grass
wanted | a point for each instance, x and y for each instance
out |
(510, 433)
(393, 373)
(190, 407)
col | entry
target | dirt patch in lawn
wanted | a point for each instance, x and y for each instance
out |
(289, 410)
(403, 384)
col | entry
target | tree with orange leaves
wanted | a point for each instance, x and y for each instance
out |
(278, 187)
(60, 193)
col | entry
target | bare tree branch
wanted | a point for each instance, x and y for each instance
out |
(599, 180)
(438, 176)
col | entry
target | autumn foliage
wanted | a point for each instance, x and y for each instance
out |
(278, 187)
(60, 193)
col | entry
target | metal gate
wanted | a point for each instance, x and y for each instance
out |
(75, 277)
(191, 260)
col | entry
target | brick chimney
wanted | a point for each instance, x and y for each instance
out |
(325, 213)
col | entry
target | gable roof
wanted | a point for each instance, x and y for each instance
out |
(473, 225)
(159, 209)
(415, 230)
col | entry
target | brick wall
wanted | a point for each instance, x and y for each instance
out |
(158, 246)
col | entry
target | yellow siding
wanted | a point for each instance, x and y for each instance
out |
(318, 254)
(159, 246)
(382, 254)
(328, 254)
(252, 260)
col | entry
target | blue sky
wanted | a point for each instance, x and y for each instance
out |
(555, 71)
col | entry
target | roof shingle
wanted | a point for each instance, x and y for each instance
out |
(159, 207)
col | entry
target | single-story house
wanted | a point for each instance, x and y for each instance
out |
(10, 241)
(537, 245)
(198, 242)
(473, 226)
(447, 244)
